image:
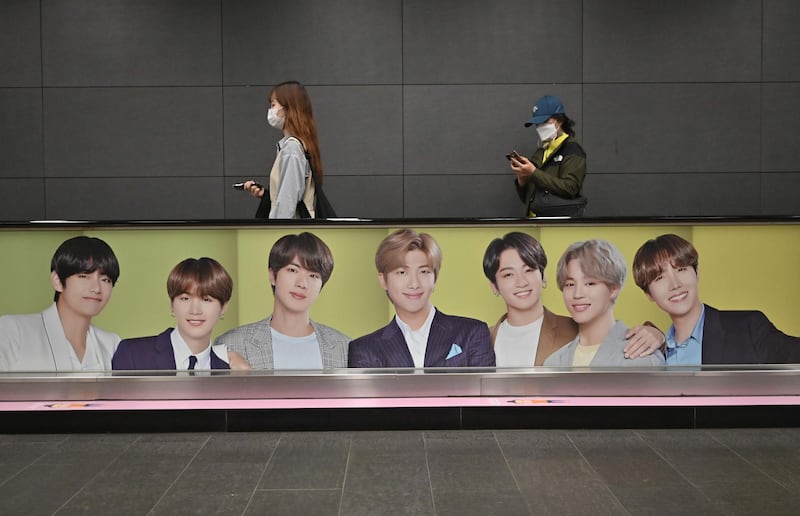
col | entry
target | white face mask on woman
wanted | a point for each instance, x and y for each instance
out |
(274, 120)
(546, 132)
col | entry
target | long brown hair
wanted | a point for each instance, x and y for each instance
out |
(299, 120)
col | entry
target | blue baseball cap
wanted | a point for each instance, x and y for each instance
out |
(544, 108)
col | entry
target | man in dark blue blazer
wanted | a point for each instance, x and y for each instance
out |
(419, 336)
(666, 269)
(154, 353)
(746, 337)
(199, 290)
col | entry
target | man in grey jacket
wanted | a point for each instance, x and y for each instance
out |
(299, 266)
(590, 275)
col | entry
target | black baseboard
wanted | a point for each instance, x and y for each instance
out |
(408, 418)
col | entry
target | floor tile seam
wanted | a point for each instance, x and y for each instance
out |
(724, 483)
(385, 456)
(788, 431)
(596, 474)
(295, 489)
(652, 447)
(263, 472)
(13, 438)
(743, 459)
(694, 486)
(28, 465)
(727, 506)
(755, 466)
(179, 475)
(428, 471)
(108, 458)
(513, 476)
(480, 490)
(97, 474)
(344, 475)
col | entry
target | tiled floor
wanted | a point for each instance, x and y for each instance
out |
(506, 472)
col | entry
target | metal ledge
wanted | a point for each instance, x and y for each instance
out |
(395, 222)
(402, 383)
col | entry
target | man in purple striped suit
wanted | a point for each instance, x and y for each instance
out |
(408, 265)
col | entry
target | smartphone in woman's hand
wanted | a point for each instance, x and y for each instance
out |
(240, 186)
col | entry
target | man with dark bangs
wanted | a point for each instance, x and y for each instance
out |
(665, 268)
(299, 266)
(83, 272)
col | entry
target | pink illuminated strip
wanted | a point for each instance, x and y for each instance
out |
(666, 401)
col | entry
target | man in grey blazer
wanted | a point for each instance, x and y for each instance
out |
(590, 274)
(419, 335)
(299, 266)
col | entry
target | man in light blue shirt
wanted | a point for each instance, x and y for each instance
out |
(687, 352)
(665, 268)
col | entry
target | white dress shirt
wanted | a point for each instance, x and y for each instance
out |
(417, 340)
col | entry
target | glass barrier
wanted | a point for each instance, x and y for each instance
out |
(772, 384)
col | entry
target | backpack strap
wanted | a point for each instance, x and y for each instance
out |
(306, 204)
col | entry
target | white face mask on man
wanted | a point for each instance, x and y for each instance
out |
(274, 120)
(546, 132)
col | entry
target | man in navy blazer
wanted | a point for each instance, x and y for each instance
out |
(746, 337)
(666, 269)
(199, 290)
(153, 353)
(419, 336)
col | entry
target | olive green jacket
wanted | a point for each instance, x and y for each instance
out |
(562, 173)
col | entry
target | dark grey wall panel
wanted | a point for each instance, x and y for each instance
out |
(456, 196)
(366, 196)
(491, 41)
(779, 194)
(20, 64)
(672, 127)
(781, 40)
(360, 128)
(21, 199)
(21, 132)
(673, 41)
(779, 140)
(468, 129)
(351, 196)
(694, 194)
(249, 140)
(416, 102)
(238, 204)
(131, 42)
(313, 41)
(135, 199)
(133, 132)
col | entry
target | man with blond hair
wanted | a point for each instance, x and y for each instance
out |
(408, 266)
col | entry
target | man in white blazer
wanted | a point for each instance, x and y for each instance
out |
(83, 272)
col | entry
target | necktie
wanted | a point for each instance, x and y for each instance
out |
(192, 361)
